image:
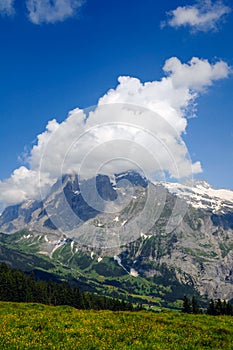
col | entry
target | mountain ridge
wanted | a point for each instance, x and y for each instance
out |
(197, 252)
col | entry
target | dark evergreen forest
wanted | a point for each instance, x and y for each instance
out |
(16, 286)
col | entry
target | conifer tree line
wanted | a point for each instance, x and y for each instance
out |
(16, 286)
(220, 307)
(215, 307)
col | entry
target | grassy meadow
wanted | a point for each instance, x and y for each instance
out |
(36, 326)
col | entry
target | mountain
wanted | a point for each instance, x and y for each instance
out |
(201, 195)
(106, 240)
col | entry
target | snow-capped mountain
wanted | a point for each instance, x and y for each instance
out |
(200, 194)
(197, 252)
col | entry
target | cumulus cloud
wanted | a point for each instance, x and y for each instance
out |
(203, 16)
(7, 7)
(22, 184)
(197, 74)
(134, 126)
(46, 11)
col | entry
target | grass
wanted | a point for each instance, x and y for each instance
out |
(35, 326)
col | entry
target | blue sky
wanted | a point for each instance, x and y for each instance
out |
(51, 65)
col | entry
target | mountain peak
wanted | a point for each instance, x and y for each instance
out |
(200, 194)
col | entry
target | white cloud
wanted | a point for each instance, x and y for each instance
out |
(197, 74)
(7, 7)
(134, 125)
(203, 16)
(46, 11)
(22, 184)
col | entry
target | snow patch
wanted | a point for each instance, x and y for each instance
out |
(133, 272)
(27, 204)
(145, 236)
(27, 236)
(118, 260)
(201, 195)
(112, 179)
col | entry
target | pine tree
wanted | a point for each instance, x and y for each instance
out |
(224, 307)
(229, 309)
(16, 286)
(195, 306)
(187, 306)
(218, 307)
(211, 308)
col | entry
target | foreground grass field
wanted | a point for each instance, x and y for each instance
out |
(35, 326)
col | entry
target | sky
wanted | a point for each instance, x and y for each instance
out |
(173, 58)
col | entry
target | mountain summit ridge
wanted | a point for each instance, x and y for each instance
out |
(197, 252)
(200, 194)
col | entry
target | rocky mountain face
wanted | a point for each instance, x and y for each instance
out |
(107, 234)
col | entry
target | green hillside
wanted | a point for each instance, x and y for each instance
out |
(36, 326)
(104, 277)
